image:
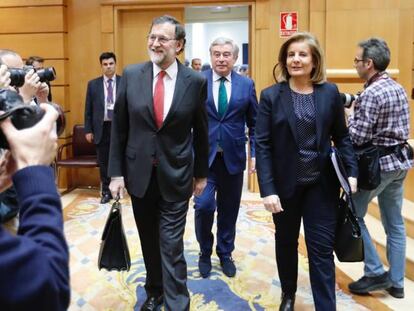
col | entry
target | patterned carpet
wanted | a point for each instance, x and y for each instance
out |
(255, 287)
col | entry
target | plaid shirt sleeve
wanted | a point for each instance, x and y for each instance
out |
(361, 123)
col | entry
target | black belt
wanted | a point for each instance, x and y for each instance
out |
(397, 150)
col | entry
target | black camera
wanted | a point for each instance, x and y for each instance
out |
(347, 99)
(17, 75)
(23, 115)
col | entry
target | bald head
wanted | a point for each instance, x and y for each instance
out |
(11, 59)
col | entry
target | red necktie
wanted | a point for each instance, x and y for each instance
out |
(159, 99)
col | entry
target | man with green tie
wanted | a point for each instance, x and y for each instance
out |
(231, 106)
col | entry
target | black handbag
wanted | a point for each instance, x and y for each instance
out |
(114, 251)
(369, 172)
(349, 245)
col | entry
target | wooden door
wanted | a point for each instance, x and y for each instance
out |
(133, 28)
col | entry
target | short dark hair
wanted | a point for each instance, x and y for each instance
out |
(107, 55)
(33, 59)
(377, 50)
(179, 28)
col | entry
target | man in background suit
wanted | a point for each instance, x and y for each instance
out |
(99, 106)
(231, 106)
(159, 143)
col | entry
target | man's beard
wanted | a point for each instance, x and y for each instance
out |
(156, 58)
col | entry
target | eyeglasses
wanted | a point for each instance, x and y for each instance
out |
(357, 60)
(161, 39)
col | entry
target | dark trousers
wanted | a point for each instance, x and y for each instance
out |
(319, 212)
(228, 188)
(102, 149)
(161, 227)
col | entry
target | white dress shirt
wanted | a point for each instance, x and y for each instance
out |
(109, 105)
(216, 85)
(169, 84)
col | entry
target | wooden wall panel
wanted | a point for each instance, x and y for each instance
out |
(344, 29)
(16, 3)
(26, 19)
(47, 45)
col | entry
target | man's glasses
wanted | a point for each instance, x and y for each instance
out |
(161, 39)
(357, 60)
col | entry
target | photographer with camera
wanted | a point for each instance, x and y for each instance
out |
(37, 63)
(380, 116)
(34, 272)
(31, 87)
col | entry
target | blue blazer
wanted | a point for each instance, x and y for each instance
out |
(34, 264)
(231, 128)
(277, 151)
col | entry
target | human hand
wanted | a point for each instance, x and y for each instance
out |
(272, 204)
(353, 183)
(4, 77)
(30, 86)
(89, 137)
(117, 187)
(42, 93)
(198, 185)
(252, 168)
(350, 110)
(36, 145)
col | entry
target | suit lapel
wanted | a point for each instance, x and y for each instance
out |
(319, 112)
(210, 96)
(118, 81)
(235, 82)
(144, 81)
(101, 91)
(287, 104)
(181, 85)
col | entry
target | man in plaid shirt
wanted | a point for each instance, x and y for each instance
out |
(380, 115)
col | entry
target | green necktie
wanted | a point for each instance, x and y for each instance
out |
(222, 98)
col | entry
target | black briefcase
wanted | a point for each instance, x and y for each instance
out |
(114, 251)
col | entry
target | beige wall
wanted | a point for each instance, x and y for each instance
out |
(71, 34)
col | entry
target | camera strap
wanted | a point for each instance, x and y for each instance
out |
(377, 76)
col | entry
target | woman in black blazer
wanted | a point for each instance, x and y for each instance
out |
(298, 119)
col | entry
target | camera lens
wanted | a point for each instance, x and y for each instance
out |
(347, 99)
(46, 74)
(17, 76)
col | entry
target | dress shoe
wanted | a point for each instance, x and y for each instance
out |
(368, 284)
(152, 303)
(288, 302)
(396, 292)
(204, 265)
(228, 266)
(106, 198)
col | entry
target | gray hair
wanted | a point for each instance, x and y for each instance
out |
(377, 50)
(222, 41)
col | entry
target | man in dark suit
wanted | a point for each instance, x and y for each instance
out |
(99, 106)
(159, 151)
(231, 106)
